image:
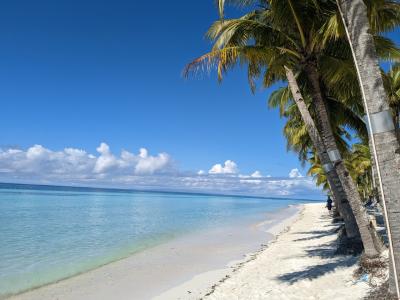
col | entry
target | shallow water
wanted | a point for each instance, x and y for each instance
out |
(47, 235)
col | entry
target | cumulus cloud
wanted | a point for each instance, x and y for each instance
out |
(142, 170)
(229, 167)
(106, 160)
(76, 163)
(295, 173)
(147, 164)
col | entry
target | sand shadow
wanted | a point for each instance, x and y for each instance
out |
(315, 234)
(316, 271)
(324, 250)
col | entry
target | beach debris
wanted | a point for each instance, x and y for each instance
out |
(375, 268)
(363, 278)
(381, 292)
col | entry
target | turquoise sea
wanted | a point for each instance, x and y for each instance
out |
(51, 233)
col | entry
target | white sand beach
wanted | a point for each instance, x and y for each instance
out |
(149, 273)
(298, 264)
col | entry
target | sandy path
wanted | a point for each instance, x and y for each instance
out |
(298, 265)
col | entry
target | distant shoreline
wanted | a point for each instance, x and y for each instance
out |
(33, 186)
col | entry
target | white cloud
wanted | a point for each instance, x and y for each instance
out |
(229, 167)
(256, 174)
(142, 170)
(295, 173)
(302, 187)
(106, 160)
(150, 164)
(78, 164)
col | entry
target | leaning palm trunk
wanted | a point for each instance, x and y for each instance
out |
(374, 176)
(383, 136)
(396, 120)
(331, 175)
(336, 210)
(371, 242)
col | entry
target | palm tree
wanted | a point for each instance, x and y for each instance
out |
(298, 137)
(357, 159)
(268, 39)
(359, 165)
(351, 224)
(309, 63)
(384, 141)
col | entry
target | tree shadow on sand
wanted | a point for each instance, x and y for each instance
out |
(326, 251)
(315, 234)
(316, 271)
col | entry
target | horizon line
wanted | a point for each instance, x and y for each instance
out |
(130, 190)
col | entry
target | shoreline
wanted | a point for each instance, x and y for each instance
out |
(204, 284)
(128, 278)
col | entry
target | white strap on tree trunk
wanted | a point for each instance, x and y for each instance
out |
(380, 122)
(327, 167)
(334, 155)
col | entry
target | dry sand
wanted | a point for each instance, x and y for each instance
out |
(299, 265)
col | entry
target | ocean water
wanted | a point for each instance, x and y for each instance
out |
(47, 234)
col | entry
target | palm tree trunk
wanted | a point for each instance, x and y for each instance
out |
(336, 211)
(396, 121)
(385, 145)
(374, 176)
(331, 175)
(369, 238)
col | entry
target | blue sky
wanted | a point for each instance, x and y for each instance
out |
(78, 73)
